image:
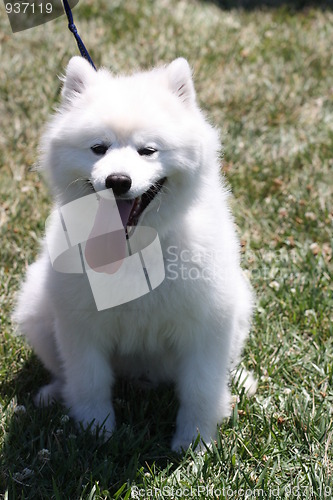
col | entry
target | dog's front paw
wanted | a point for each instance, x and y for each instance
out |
(101, 419)
(193, 429)
(181, 444)
(189, 435)
(48, 394)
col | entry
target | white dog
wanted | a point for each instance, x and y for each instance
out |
(144, 137)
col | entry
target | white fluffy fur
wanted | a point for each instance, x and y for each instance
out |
(187, 331)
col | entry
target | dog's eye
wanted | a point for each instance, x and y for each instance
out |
(148, 151)
(99, 149)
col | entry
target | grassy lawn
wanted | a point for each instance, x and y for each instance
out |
(264, 77)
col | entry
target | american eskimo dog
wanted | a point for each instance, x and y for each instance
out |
(144, 138)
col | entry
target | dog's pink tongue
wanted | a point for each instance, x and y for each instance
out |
(124, 207)
(106, 248)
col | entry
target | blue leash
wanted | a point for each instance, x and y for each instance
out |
(72, 28)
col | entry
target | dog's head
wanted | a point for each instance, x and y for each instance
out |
(141, 135)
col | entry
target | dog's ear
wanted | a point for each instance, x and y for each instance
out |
(79, 73)
(179, 76)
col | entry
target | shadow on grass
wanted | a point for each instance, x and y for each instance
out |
(288, 4)
(75, 460)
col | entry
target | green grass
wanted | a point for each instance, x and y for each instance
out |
(265, 78)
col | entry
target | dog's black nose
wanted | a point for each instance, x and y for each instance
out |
(119, 183)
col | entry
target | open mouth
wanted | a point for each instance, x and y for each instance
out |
(105, 249)
(139, 204)
(131, 210)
